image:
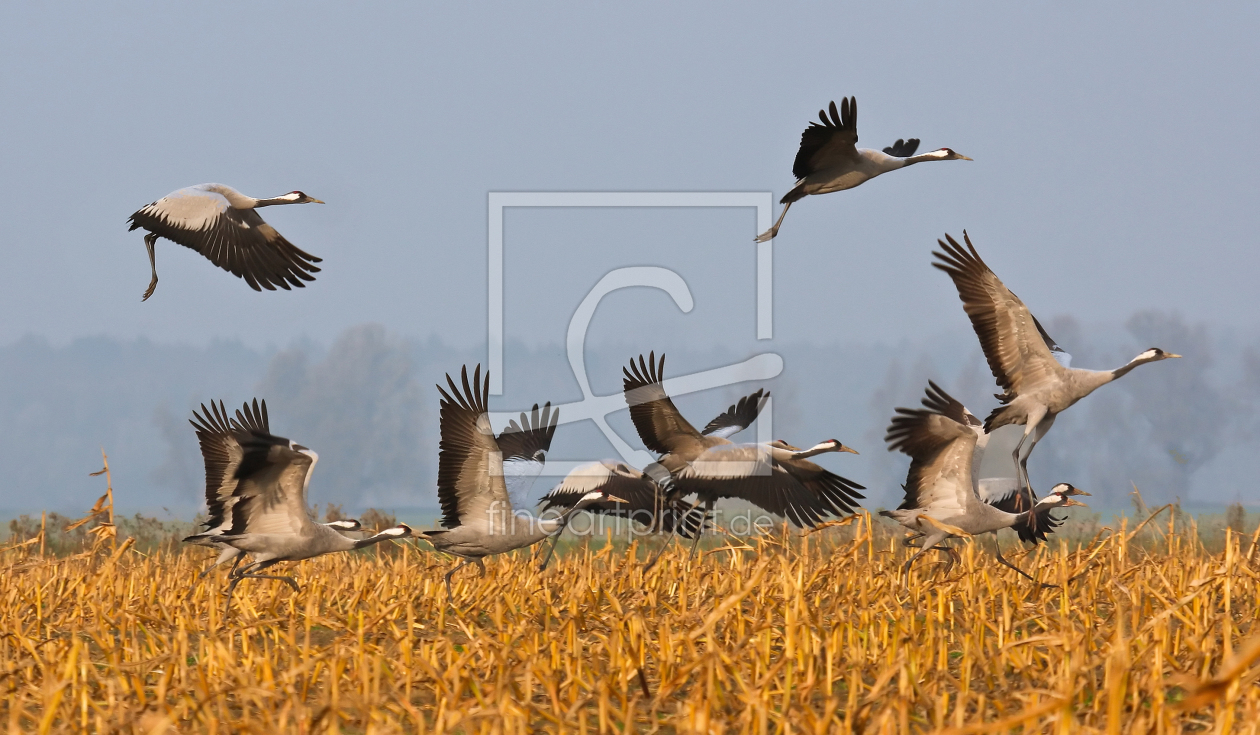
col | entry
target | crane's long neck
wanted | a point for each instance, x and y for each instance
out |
(929, 156)
(396, 532)
(274, 201)
(815, 450)
(1087, 381)
(1123, 370)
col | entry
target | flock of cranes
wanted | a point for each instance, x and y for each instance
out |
(256, 482)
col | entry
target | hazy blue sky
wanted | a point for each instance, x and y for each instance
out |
(1114, 161)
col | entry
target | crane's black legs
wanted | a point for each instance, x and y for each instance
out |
(235, 563)
(997, 550)
(1020, 467)
(149, 241)
(929, 542)
(1039, 432)
(680, 519)
(451, 573)
(673, 529)
(661, 550)
(769, 234)
(250, 571)
(555, 539)
(951, 556)
(1035, 419)
(905, 569)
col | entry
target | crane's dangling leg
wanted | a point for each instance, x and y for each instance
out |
(951, 557)
(908, 541)
(769, 234)
(236, 560)
(550, 552)
(997, 550)
(555, 539)
(149, 241)
(660, 551)
(1034, 417)
(1043, 427)
(673, 530)
(928, 543)
(250, 572)
(451, 573)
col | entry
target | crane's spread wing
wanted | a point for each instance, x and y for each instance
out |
(471, 485)
(938, 401)
(738, 417)
(273, 500)
(222, 455)
(646, 502)
(838, 492)
(749, 472)
(903, 148)
(236, 240)
(255, 481)
(1017, 352)
(524, 447)
(252, 418)
(940, 451)
(1001, 492)
(532, 435)
(830, 143)
(615, 478)
(661, 427)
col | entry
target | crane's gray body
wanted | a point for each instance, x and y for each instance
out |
(864, 165)
(516, 530)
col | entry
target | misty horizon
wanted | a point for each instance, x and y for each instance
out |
(367, 403)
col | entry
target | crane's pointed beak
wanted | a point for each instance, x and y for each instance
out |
(315, 201)
(850, 450)
(964, 158)
(615, 499)
(1169, 354)
(1071, 501)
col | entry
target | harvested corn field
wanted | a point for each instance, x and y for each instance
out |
(814, 635)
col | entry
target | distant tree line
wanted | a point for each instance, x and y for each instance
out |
(367, 404)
